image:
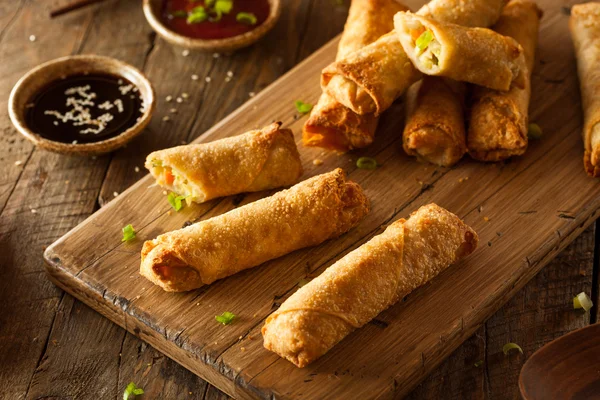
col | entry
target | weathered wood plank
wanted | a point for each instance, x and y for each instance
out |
(33, 181)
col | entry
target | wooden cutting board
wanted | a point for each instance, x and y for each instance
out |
(525, 211)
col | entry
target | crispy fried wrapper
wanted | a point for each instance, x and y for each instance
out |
(251, 162)
(585, 31)
(371, 78)
(307, 214)
(475, 55)
(332, 125)
(435, 126)
(498, 121)
(354, 290)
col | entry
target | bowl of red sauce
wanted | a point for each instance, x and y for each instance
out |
(212, 25)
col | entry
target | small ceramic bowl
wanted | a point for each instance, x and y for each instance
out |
(153, 9)
(39, 77)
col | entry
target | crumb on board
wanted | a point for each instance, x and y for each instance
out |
(486, 219)
(317, 162)
(18, 162)
(185, 53)
(216, 55)
(243, 349)
(461, 180)
(137, 169)
(67, 182)
(251, 94)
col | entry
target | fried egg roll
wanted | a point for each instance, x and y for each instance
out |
(371, 78)
(358, 287)
(498, 121)
(585, 31)
(251, 162)
(307, 214)
(332, 125)
(435, 125)
(475, 55)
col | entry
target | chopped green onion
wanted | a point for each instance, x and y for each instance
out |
(197, 15)
(366, 163)
(303, 107)
(246, 18)
(509, 346)
(223, 6)
(175, 201)
(209, 3)
(534, 131)
(478, 363)
(424, 39)
(157, 163)
(226, 318)
(178, 14)
(128, 233)
(132, 390)
(582, 300)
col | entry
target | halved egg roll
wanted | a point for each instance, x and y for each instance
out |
(307, 214)
(254, 161)
(351, 292)
(585, 31)
(499, 120)
(371, 78)
(435, 125)
(475, 55)
(332, 125)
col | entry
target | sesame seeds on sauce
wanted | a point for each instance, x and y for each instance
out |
(84, 108)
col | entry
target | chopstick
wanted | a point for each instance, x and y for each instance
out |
(75, 5)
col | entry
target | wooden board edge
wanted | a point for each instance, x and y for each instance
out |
(77, 288)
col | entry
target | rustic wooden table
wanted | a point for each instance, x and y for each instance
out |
(53, 346)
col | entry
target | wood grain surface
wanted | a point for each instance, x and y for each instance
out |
(55, 347)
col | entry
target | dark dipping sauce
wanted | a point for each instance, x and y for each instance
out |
(84, 108)
(226, 27)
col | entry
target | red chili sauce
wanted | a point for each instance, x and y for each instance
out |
(174, 18)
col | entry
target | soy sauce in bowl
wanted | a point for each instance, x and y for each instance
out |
(84, 108)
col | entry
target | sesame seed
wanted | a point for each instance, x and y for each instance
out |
(227, 79)
(165, 192)
(208, 79)
(56, 123)
(18, 162)
(115, 194)
(74, 141)
(166, 118)
(33, 211)
(179, 99)
(185, 53)
(216, 55)
(251, 94)
(194, 77)
(137, 169)
(32, 38)
(185, 95)
(230, 73)
(173, 111)
(168, 98)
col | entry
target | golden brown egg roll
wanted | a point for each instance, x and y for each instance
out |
(370, 79)
(351, 292)
(435, 125)
(307, 214)
(251, 162)
(585, 31)
(475, 55)
(498, 120)
(332, 125)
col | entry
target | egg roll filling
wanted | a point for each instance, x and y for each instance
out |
(427, 47)
(175, 181)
